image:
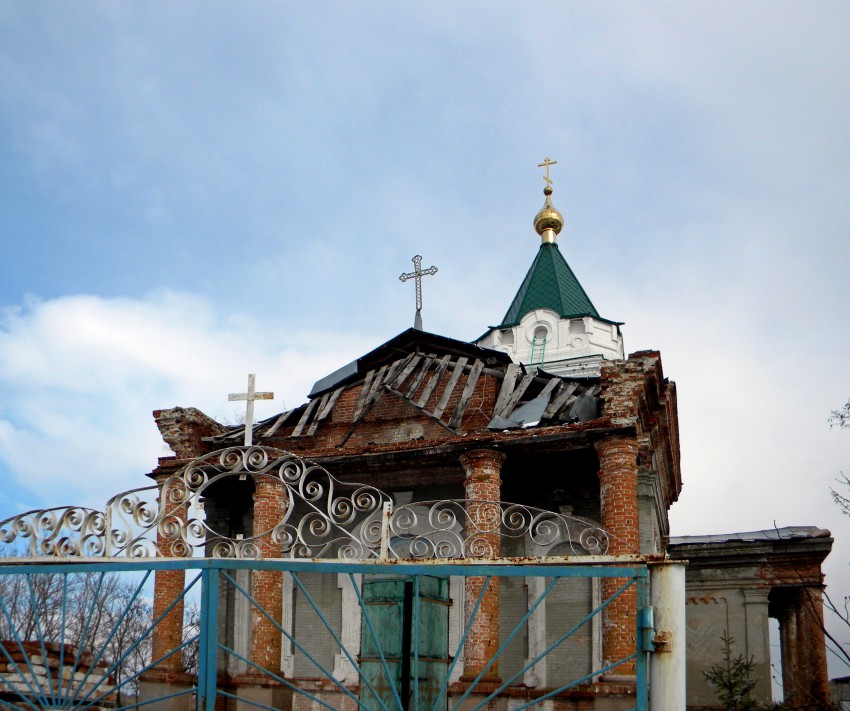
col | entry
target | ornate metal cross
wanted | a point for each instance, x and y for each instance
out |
(545, 164)
(417, 274)
(249, 397)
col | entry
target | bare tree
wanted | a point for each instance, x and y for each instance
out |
(104, 614)
(840, 418)
(191, 628)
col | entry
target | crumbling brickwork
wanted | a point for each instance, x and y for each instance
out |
(167, 636)
(267, 585)
(482, 483)
(618, 491)
(427, 441)
(184, 429)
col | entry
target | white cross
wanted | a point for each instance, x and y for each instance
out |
(250, 396)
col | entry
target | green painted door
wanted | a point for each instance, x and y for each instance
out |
(412, 634)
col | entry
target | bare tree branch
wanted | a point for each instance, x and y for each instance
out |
(840, 418)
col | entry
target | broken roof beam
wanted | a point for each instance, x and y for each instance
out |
(315, 423)
(508, 383)
(450, 386)
(466, 395)
(433, 382)
(369, 392)
(518, 392)
(281, 419)
(406, 367)
(424, 367)
(304, 418)
(560, 399)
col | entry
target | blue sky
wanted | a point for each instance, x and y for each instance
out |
(193, 191)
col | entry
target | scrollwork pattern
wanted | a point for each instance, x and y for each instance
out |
(470, 528)
(321, 517)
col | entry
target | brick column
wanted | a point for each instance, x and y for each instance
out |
(482, 467)
(618, 494)
(788, 646)
(267, 585)
(810, 680)
(168, 584)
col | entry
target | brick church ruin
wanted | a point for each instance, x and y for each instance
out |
(544, 411)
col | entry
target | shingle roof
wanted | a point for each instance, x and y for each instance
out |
(550, 284)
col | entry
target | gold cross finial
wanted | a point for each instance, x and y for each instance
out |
(545, 164)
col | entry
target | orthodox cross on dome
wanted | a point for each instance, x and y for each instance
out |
(545, 164)
(417, 274)
(249, 397)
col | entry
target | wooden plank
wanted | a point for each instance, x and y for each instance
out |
(315, 423)
(465, 397)
(402, 376)
(564, 392)
(518, 392)
(367, 383)
(507, 388)
(433, 382)
(364, 399)
(376, 387)
(450, 386)
(427, 362)
(277, 423)
(326, 410)
(304, 418)
(550, 386)
(396, 366)
(374, 395)
(325, 407)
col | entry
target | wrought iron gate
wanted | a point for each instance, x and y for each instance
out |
(404, 657)
(339, 599)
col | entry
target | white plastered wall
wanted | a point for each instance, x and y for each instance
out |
(566, 339)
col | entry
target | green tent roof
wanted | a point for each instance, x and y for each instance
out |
(550, 284)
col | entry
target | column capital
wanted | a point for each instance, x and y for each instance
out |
(756, 596)
(622, 444)
(161, 477)
(482, 462)
(266, 484)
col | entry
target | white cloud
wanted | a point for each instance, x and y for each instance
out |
(703, 172)
(80, 375)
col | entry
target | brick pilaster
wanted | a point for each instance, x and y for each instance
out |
(808, 684)
(168, 584)
(618, 493)
(482, 483)
(788, 647)
(267, 585)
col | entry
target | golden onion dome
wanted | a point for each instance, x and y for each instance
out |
(548, 218)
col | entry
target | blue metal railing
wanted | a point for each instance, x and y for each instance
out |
(83, 668)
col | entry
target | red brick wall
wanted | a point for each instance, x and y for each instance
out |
(267, 585)
(168, 586)
(619, 503)
(804, 667)
(385, 420)
(482, 468)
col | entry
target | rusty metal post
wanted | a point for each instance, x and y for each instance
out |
(667, 663)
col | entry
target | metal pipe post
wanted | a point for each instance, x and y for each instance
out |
(667, 664)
